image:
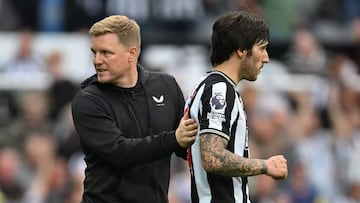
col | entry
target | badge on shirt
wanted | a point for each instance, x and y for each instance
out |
(218, 104)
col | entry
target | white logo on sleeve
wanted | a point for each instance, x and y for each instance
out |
(159, 100)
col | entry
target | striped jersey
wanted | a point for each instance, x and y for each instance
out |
(218, 109)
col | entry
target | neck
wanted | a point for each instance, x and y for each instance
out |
(129, 79)
(230, 69)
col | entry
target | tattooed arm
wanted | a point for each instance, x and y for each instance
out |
(217, 159)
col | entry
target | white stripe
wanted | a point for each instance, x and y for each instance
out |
(202, 185)
(212, 131)
(218, 88)
(238, 195)
(239, 143)
(203, 188)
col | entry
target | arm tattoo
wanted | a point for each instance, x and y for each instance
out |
(217, 159)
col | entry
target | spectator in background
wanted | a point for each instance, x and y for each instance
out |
(263, 190)
(313, 148)
(306, 54)
(27, 69)
(33, 117)
(61, 90)
(48, 173)
(268, 125)
(299, 188)
(12, 187)
(76, 165)
(26, 62)
(344, 116)
(65, 133)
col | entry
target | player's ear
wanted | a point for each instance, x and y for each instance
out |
(241, 53)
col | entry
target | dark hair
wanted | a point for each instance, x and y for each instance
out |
(236, 30)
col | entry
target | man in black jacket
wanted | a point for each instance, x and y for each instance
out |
(129, 120)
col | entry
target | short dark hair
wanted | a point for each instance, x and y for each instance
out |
(236, 30)
(127, 30)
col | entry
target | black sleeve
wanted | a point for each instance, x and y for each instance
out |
(100, 135)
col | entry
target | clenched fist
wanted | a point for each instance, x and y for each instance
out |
(277, 167)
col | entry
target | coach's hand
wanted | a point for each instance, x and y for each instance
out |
(186, 131)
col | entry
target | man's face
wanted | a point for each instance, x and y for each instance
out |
(254, 61)
(110, 58)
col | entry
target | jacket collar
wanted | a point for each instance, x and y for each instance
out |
(143, 74)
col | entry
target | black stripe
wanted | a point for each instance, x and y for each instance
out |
(194, 193)
(231, 144)
(230, 99)
(222, 188)
(244, 180)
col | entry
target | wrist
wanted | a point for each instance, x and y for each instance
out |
(264, 168)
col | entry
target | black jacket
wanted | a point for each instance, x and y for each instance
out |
(127, 136)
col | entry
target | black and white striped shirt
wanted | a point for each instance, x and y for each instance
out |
(217, 107)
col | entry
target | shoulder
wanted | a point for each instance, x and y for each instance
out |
(161, 75)
(162, 79)
(89, 97)
(217, 76)
(155, 77)
(88, 91)
(218, 82)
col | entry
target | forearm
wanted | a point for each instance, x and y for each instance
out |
(236, 166)
(216, 159)
(141, 150)
(119, 150)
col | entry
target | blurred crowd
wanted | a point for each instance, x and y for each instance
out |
(40, 156)
(331, 19)
(305, 103)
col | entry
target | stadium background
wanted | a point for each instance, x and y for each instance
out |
(305, 103)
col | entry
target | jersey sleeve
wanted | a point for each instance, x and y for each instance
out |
(217, 105)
